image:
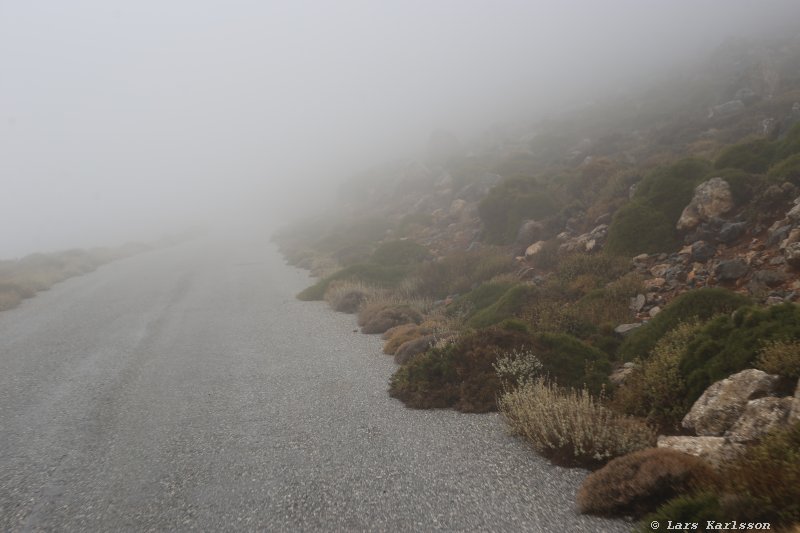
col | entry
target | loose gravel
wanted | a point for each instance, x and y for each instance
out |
(186, 389)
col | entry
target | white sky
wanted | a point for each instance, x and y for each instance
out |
(126, 120)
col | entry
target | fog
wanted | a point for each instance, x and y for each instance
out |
(129, 120)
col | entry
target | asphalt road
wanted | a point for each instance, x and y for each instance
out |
(186, 389)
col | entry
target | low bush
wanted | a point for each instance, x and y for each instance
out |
(730, 343)
(688, 509)
(786, 170)
(460, 375)
(639, 482)
(766, 480)
(386, 318)
(647, 224)
(571, 427)
(401, 252)
(780, 357)
(627, 237)
(508, 204)
(368, 273)
(699, 304)
(507, 306)
(414, 347)
(347, 296)
(399, 335)
(669, 189)
(459, 273)
(655, 389)
(517, 367)
(754, 156)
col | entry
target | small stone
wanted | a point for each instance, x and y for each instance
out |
(654, 311)
(624, 329)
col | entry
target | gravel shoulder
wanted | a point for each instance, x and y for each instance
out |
(186, 389)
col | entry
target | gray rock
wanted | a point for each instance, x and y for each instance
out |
(530, 231)
(728, 108)
(638, 302)
(723, 403)
(711, 199)
(792, 254)
(624, 329)
(794, 414)
(702, 251)
(714, 450)
(770, 278)
(654, 311)
(760, 416)
(731, 270)
(731, 231)
(775, 236)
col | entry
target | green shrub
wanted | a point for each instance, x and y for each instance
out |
(787, 170)
(507, 306)
(701, 304)
(399, 253)
(766, 480)
(693, 508)
(790, 145)
(780, 357)
(369, 273)
(638, 228)
(572, 363)
(508, 204)
(743, 185)
(484, 295)
(656, 390)
(647, 224)
(570, 427)
(460, 375)
(639, 482)
(754, 156)
(729, 344)
(459, 273)
(601, 268)
(467, 367)
(670, 188)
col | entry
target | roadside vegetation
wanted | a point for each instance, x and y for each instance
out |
(592, 292)
(23, 278)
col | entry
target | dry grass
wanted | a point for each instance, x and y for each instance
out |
(571, 427)
(347, 296)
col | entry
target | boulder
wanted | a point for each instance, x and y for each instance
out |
(702, 251)
(760, 416)
(792, 237)
(731, 270)
(792, 254)
(714, 450)
(711, 199)
(794, 213)
(619, 376)
(731, 231)
(529, 231)
(721, 405)
(534, 249)
(770, 278)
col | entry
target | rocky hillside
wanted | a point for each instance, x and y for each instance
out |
(632, 266)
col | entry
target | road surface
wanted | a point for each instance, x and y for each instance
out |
(186, 389)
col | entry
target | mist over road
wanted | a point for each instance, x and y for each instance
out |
(185, 388)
